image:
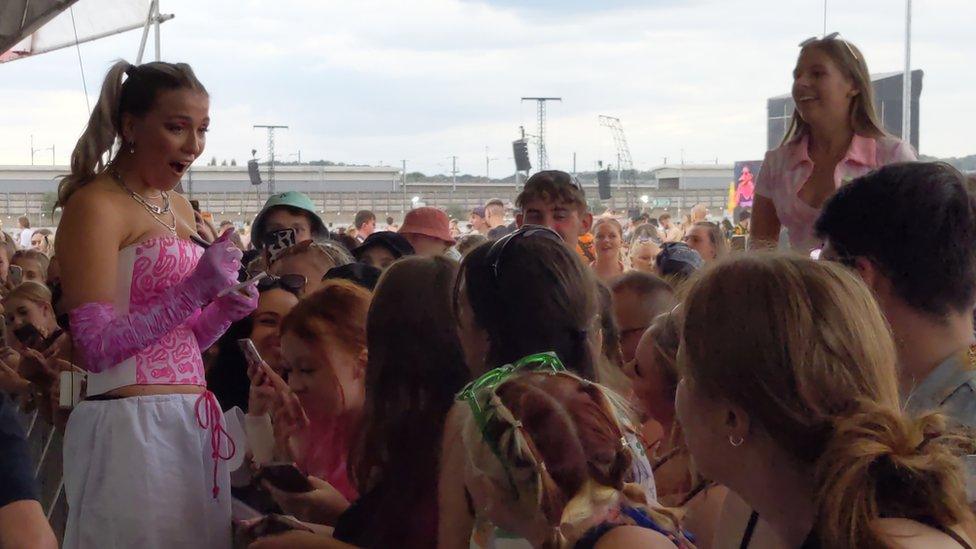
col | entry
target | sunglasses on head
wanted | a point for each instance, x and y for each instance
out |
(831, 36)
(497, 250)
(293, 283)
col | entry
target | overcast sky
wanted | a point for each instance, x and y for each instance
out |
(380, 81)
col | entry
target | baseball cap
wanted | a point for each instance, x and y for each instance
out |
(428, 221)
(292, 199)
(395, 243)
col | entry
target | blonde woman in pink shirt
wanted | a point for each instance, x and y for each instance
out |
(834, 137)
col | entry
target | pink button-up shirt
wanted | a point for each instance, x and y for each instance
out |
(786, 169)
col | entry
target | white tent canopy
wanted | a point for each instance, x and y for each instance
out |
(33, 27)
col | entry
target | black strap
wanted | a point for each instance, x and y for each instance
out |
(750, 529)
(952, 534)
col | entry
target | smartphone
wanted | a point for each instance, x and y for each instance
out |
(16, 275)
(285, 477)
(277, 241)
(241, 285)
(251, 354)
(30, 337)
(195, 204)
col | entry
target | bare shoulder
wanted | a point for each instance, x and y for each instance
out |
(95, 206)
(909, 534)
(633, 536)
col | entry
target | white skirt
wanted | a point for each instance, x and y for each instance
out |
(139, 473)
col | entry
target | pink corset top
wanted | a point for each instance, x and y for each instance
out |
(145, 270)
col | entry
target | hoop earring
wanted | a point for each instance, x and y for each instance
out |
(736, 443)
(132, 147)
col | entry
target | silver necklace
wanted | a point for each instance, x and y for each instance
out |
(157, 210)
(154, 211)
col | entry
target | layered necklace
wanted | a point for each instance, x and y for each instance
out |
(155, 211)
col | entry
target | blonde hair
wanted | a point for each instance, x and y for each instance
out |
(863, 118)
(135, 96)
(717, 237)
(30, 291)
(42, 260)
(802, 346)
(326, 254)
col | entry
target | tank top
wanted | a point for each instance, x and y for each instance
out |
(813, 540)
(145, 270)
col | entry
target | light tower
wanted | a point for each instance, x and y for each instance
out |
(625, 164)
(541, 102)
(271, 157)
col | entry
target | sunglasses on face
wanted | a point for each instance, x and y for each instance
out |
(293, 283)
(497, 251)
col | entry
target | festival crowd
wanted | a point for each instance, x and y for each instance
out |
(552, 379)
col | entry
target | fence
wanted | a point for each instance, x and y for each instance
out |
(341, 207)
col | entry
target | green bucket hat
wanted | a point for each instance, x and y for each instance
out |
(292, 199)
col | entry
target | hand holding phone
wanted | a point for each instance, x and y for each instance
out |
(29, 336)
(285, 477)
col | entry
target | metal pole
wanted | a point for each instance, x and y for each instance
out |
(145, 35)
(906, 92)
(487, 165)
(825, 18)
(453, 175)
(403, 185)
(156, 18)
(32, 149)
(574, 163)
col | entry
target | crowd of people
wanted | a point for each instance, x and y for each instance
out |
(560, 380)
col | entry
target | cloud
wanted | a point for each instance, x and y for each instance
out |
(423, 80)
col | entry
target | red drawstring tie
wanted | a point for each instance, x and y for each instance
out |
(213, 414)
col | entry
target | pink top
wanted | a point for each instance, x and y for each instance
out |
(325, 452)
(145, 270)
(786, 169)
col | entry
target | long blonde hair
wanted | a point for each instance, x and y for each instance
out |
(802, 346)
(863, 118)
(135, 95)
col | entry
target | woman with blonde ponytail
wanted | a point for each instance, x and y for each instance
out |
(789, 398)
(146, 451)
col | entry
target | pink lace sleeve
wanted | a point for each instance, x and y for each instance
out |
(104, 338)
(211, 323)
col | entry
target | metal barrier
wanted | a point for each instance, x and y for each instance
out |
(341, 207)
(45, 444)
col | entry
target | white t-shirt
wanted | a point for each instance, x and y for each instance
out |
(25, 238)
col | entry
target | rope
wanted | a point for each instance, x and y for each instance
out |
(81, 66)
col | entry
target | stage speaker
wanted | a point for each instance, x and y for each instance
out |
(520, 150)
(253, 172)
(603, 182)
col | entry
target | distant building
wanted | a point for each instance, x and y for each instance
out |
(228, 179)
(887, 99)
(692, 176)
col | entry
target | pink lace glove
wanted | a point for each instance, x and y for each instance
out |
(105, 338)
(214, 320)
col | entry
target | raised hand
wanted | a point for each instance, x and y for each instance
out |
(217, 268)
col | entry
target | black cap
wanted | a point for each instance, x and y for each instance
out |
(360, 273)
(677, 257)
(394, 242)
